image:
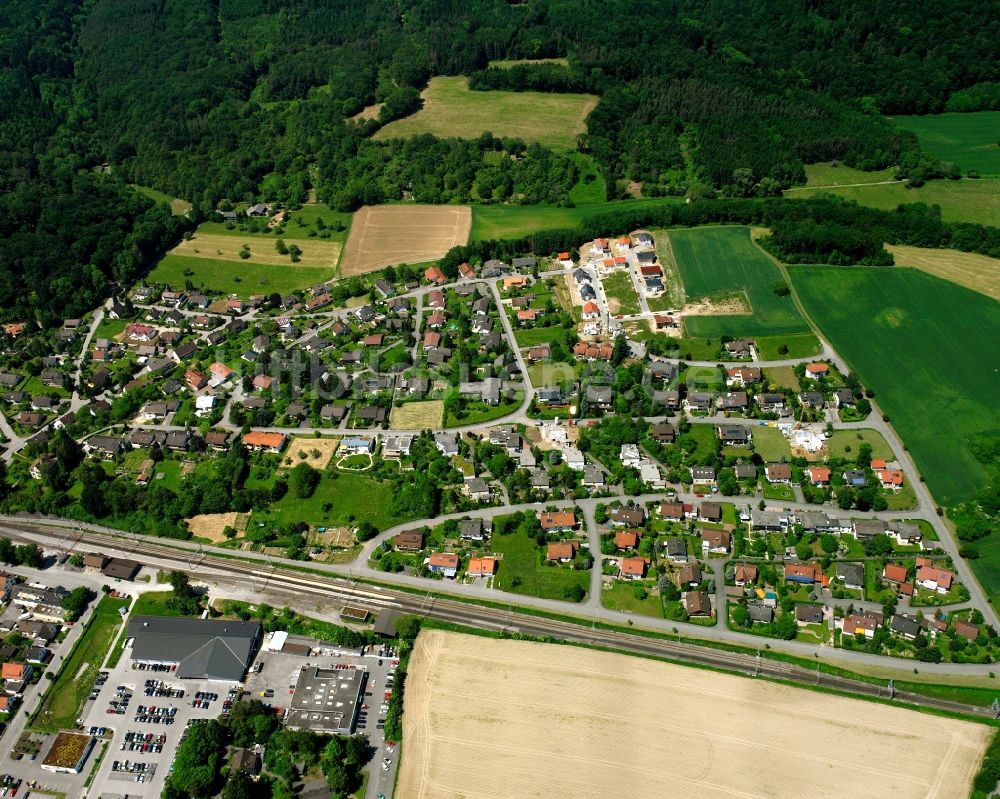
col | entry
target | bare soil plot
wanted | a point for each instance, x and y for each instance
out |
(977, 272)
(314, 451)
(386, 235)
(315, 252)
(417, 415)
(492, 718)
(211, 525)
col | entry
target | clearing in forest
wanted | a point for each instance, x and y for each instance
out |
(452, 109)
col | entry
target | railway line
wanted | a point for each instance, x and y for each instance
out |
(511, 620)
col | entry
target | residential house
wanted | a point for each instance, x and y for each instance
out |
(852, 575)
(690, 576)
(260, 441)
(715, 541)
(562, 551)
(778, 473)
(819, 476)
(808, 614)
(625, 516)
(894, 573)
(697, 603)
(409, 541)
(482, 567)
(745, 574)
(934, 578)
(557, 521)
(444, 563)
(632, 568)
(702, 474)
(803, 573)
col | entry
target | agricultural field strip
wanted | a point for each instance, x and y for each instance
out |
(515, 720)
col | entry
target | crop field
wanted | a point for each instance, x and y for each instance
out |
(242, 278)
(417, 415)
(452, 109)
(918, 341)
(719, 262)
(969, 140)
(486, 717)
(516, 221)
(386, 235)
(977, 272)
(960, 200)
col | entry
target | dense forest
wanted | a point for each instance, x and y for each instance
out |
(254, 99)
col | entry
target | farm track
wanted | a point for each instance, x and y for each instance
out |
(512, 621)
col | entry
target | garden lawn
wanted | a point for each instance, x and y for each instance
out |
(778, 491)
(68, 692)
(476, 411)
(522, 559)
(796, 345)
(770, 444)
(154, 603)
(620, 595)
(532, 337)
(838, 443)
(720, 262)
(918, 341)
(242, 278)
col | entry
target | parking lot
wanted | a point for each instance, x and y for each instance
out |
(148, 711)
(140, 715)
(279, 672)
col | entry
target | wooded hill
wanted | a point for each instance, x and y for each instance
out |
(252, 99)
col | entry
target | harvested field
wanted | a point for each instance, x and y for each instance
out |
(386, 235)
(317, 451)
(417, 415)
(211, 525)
(492, 718)
(219, 247)
(977, 272)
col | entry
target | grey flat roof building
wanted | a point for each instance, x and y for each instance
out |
(326, 700)
(201, 648)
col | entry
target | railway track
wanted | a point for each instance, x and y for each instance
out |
(512, 621)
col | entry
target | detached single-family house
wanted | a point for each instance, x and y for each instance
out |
(444, 563)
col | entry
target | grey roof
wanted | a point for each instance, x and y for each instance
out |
(201, 648)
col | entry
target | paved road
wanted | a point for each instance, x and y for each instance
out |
(188, 556)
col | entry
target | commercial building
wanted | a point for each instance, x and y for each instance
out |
(326, 700)
(204, 649)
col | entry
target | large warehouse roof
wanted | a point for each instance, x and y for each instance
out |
(201, 648)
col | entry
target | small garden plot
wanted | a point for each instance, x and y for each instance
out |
(770, 444)
(314, 451)
(778, 491)
(640, 598)
(213, 526)
(621, 293)
(846, 443)
(417, 415)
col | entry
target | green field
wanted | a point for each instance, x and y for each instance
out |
(721, 262)
(618, 287)
(918, 342)
(68, 692)
(533, 336)
(242, 278)
(969, 140)
(516, 221)
(960, 200)
(354, 497)
(621, 596)
(796, 345)
(178, 207)
(296, 227)
(154, 603)
(522, 560)
(590, 187)
(451, 109)
(845, 444)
